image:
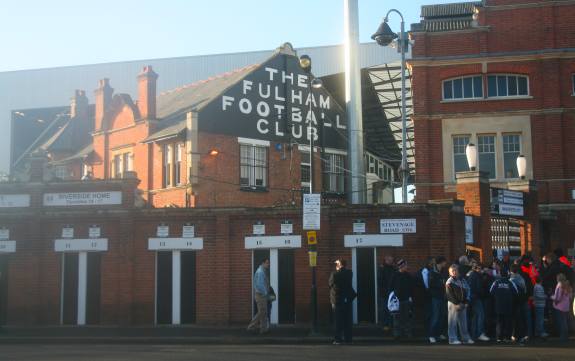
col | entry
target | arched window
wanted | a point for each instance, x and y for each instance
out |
(507, 85)
(467, 87)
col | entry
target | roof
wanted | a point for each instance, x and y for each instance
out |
(84, 152)
(447, 17)
(198, 94)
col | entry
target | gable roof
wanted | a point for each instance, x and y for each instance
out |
(447, 17)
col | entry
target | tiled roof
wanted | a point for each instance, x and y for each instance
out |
(446, 10)
(198, 94)
(446, 17)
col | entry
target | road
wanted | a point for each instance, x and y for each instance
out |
(378, 352)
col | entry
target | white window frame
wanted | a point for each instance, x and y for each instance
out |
(339, 172)
(254, 147)
(304, 155)
(503, 150)
(495, 138)
(469, 136)
(167, 165)
(453, 98)
(517, 76)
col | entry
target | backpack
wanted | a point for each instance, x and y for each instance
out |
(392, 303)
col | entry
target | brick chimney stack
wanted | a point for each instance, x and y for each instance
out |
(147, 93)
(79, 105)
(103, 100)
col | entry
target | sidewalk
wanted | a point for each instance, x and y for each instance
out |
(206, 335)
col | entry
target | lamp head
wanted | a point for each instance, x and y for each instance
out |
(316, 83)
(521, 166)
(471, 154)
(384, 35)
(305, 63)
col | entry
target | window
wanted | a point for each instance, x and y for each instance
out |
(511, 150)
(459, 158)
(178, 164)
(507, 86)
(486, 154)
(253, 166)
(167, 165)
(117, 166)
(333, 176)
(61, 172)
(305, 170)
(470, 87)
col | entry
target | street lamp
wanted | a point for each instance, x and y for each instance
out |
(384, 36)
(316, 83)
(471, 155)
(521, 166)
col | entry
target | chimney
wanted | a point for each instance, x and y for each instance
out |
(147, 93)
(79, 105)
(103, 100)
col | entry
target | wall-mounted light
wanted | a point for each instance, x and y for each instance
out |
(521, 166)
(305, 63)
(471, 154)
(214, 152)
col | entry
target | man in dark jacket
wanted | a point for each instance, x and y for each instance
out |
(475, 281)
(384, 276)
(341, 295)
(437, 279)
(504, 293)
(402, 285)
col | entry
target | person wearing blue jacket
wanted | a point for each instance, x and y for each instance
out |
(261, 286)
(504, 293)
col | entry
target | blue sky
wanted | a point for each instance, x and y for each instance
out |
(50, 33)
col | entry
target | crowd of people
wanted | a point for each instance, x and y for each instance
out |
(465, 302)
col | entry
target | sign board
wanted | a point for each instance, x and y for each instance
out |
(259, 229)
(469, 230)
(188, 231)
(397, 225)
(311, 237)
(311, 211)
(272, 103)
(7, 246)
(312, 258)
(163, 230)
(14, 200)
(4, 234)
(82, 199)
(174, 244)
(67, 232)
(286, 227)
(372, 240)
(266, 242)
(358, 227)
(510, 210)
(94, 232)
(81, 245)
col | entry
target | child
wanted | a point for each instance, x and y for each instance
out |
(539, 300)
(561, 303)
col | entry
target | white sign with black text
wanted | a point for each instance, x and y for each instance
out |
(358, 227)
(188, 231)
(174, 244)
(4, 234)
(510, 210)
(259, 229)
(81, 245)
(7, 246)
(372, 240)
(163, 231)
(82, 199)
(67, 232)
(397, 225)
(311, 211)
(286, 228)
(94, 232)
(14, 200)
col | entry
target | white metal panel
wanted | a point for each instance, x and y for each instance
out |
(373, 240)
(81, 245)
(172, 244)
(287, 241)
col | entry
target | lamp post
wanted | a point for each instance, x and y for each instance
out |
(471, 155)
(521, 166)
(316, 83)
(384, 36)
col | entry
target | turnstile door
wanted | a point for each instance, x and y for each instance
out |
(286, 286)
(93, 294)
(365, 285)
(3, 289)
(188, 287)
(164, 288)
(70, 291)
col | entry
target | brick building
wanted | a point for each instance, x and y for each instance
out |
(499, 74)
(238, 139)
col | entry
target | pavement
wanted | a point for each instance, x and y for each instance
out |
(209, 335)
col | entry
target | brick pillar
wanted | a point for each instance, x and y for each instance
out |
(473, 189)
(530, 230)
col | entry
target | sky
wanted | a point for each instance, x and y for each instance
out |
(51, 33)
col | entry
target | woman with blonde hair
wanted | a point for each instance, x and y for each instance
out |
(561, 304)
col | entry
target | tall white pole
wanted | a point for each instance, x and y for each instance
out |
(82, 287)
(404, 167)
(356, 194)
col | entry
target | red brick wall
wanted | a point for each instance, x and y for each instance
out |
(223, 267)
